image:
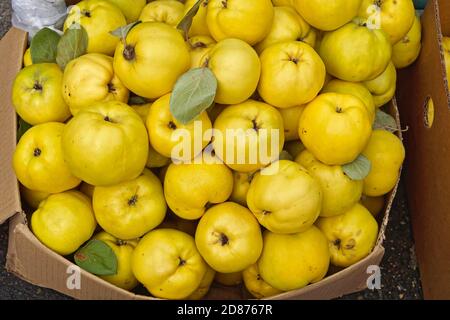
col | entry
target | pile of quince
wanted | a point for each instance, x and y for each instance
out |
(104, 104)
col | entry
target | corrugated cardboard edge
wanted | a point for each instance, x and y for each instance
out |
(428, 152)
(35, 263)
(12, 44)
(31, 261)
(442, 14)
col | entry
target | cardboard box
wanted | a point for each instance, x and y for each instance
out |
(35, 263)
(428, 151)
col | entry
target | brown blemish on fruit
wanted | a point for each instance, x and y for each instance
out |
(350, 244)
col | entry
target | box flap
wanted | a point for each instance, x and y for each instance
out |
(349, 280)
(428, 152)
(33, 262)
(12, 47)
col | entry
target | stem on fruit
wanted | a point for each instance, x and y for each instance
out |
(206, 63)
(129, 53)
(172, 125)
(37, 86)
(37, 152)
(133, 200)
(182, 262)
(198, 44)
(294, 60)
(223, 239)
(337, 243)
(111, 88)
(86, 13)
(255, 125)
(121, 242)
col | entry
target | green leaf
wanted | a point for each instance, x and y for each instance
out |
(97, 258)
(73, 44)
(358, 169)
(44, 46)
(137, 100)
(284, 155)
(122, 32)
(186, 23)
(194, 92)
(385, 121)
(22, 127)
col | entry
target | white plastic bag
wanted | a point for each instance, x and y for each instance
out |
(33, 15)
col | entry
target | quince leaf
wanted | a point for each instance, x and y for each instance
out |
(22, 127)
(284, 155)
(358, 169)
(122, 32)
(137, 100)
(44, 46)
(385, 121)
(186, 23)
(73, 44)
(97, 258)
(194, 92)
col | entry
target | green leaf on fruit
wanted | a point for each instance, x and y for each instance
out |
(385, 121)
(44, 46)
(137, 100)
(72, 45)
(185, 24)
(284, 155)
(22, 127)
(97, 258)
(194, 92)
(122, 32)
(358, 169)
